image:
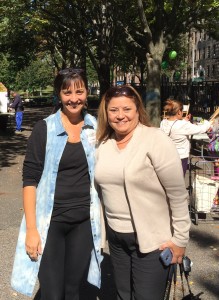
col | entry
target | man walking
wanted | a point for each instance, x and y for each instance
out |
(19, 110)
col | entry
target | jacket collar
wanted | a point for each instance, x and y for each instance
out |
(60, 130)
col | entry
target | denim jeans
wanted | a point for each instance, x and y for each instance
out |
(19, 119)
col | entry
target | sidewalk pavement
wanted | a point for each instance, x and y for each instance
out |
(203, 248)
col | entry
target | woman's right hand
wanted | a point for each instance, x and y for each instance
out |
(188, 117)
(33, 244)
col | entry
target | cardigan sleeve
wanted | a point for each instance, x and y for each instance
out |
(35, 155)
(168, 168)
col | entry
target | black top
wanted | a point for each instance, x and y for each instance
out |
(72, 192)
(17, 103)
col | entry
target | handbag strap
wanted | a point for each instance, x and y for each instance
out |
(172, 127)
(171, 277)
(186, 274)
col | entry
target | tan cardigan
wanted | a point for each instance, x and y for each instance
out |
(155, 189)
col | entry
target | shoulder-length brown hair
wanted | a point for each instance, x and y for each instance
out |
(104, 131)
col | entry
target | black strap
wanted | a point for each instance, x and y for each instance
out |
(171, 277)
(182, 272)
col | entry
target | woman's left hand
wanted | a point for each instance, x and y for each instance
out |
(178, 252)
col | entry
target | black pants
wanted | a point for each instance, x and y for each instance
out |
(137, 276)
(65, 259)
(184, 165)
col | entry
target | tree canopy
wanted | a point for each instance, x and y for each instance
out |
(134, 35)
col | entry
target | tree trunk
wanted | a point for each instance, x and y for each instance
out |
(153, 99)
(104, 78)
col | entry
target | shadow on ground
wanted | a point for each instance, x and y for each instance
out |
(207, 273)
(11, 143)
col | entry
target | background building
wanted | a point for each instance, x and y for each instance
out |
(203, 56)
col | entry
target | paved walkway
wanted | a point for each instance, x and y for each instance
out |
(203, 248)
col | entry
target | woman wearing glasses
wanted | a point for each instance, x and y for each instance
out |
(60, 232)
(140, 177)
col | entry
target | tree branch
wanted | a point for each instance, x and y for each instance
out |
(143, 18)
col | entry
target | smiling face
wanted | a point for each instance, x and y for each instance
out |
(122, 115)
(73, 97)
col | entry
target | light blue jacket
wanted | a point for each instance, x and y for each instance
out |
(25, 271)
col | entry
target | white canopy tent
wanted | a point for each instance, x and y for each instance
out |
(4, 100)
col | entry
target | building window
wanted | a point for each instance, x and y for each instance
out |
(208, 52)
(208, 71)
(203, 53)
(200, 36)
(216, 50)
(195, 37)
(213, 71)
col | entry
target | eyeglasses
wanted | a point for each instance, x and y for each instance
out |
(71, 71)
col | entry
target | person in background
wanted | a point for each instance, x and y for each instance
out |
(179, 129)
(139, 173)
(213, 152)
(60, 232)
(213, 134)
(17, 105)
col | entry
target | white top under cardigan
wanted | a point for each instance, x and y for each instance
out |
(154, 185)
(112, 179)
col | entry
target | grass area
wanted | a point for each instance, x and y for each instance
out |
(45, 97)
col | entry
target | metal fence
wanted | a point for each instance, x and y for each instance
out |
(202, 96)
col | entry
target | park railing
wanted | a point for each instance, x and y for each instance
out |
(202, 96)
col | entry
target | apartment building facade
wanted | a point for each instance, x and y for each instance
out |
(203, 56)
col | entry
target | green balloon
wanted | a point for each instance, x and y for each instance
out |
(172, 54)
(164, 64)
